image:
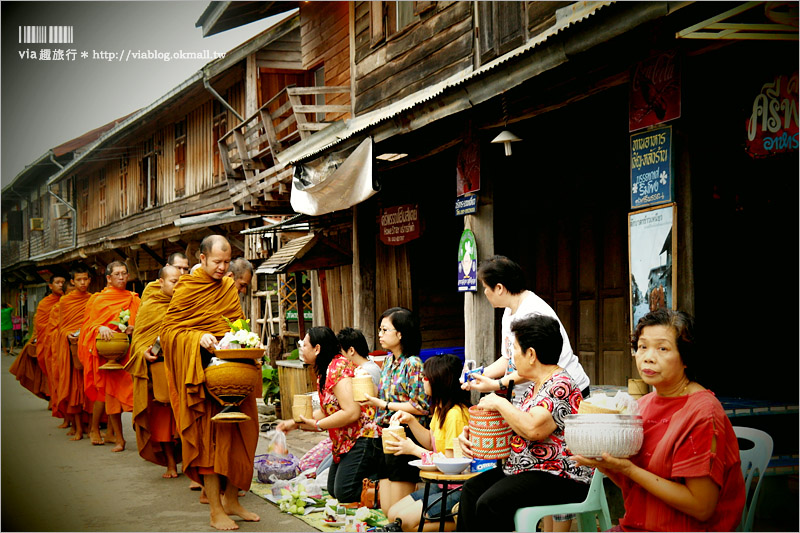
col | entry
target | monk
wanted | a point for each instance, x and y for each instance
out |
(153, 421)
(221, 454)
(95, 398)
(40, 324)
(53, 374)
(26, 369)
(179, 261)
(241, 270)
(116, 385)
(69, 398)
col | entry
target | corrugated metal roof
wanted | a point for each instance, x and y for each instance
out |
(334, 134)
(291, 251)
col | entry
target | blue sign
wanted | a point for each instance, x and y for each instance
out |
(467, 263)
(651, 167)
(467, 204)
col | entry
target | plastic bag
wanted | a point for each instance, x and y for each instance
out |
(270, 467)
(277, 443)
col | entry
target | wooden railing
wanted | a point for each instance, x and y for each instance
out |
(248, 150)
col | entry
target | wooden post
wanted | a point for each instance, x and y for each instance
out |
(364, 311)
(326, 306)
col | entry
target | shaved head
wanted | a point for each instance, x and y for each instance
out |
(169, 276)
(167, 271)
(242, 271)
(215, 256)
(214, 241)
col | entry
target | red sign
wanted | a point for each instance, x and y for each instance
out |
(468, 166)
(772, 127)
(399, 224)
(655, 91)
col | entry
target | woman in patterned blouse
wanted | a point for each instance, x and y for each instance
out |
(538, 471)
(401, 389)
(351, 432)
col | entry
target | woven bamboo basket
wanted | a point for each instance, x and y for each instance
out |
(637, 388)
(362, 385)
(301, 406)
(587, 408)
(489, 434)
(390, 434)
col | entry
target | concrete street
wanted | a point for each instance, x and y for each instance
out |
(50, 483)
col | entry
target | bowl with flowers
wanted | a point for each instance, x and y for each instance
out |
(239, 342)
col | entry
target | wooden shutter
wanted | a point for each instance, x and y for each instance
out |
(486, 31)
(377, 31)
(15, 231)
(422, 7)
(509, 25)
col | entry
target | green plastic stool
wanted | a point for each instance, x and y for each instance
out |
(595, 504)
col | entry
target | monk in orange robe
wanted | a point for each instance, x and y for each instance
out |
(153, 421)
(116, 385)
(177, 260)
(26, 369)
(69, 399)
(220, 454)
(95, 398)
(48, 356)
(40, 324)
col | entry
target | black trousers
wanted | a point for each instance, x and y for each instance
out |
(345, 477)
(490, 500)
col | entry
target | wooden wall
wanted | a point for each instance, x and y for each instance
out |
(430, 50)
(325, 37)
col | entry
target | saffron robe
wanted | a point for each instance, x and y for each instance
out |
(68, 395)
(198, 307)
(26, 369)
(102, 310)
(151, 421)
(40, 322)
(154, 287)
(46, 356)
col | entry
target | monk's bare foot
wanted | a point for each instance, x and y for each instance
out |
(97, 440)
(195, 486)
(237, 509)
(242, 493)
(170, 473)
(71, 432)
(119, 447)
(78, 436)
(203, 497)
(223, 521)
(64, 425)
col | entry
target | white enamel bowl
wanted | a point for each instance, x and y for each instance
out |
(592, 434)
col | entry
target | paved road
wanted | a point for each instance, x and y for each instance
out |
(50, 483)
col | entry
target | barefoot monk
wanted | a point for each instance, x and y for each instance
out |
(41, 322)
(179, 261)
(153, 420)
(220, 456)
(49, 356)
(69, 398)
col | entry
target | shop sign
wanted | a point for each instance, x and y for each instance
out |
(651, 167)
(772, 127)
(467, 263)
(467, 204)
(291, 315)
(655, 95)
(399, 224)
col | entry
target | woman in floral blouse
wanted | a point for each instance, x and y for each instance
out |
(401, 389)
(538, 471)
(351, 432)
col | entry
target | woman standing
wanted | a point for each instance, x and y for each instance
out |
(450, 406)
(687, 476)
(401, 389)
(354, 457)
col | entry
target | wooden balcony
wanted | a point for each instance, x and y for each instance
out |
(248, 151)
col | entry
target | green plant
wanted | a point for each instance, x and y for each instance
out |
(270, 386)
(293, 355)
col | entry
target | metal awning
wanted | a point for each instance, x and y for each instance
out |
(290, 224)
(221, 217)
(761, 21)
(309, 252)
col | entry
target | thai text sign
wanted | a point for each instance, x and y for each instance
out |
(772, 127)
(651, 167)
(467, 204)
(467, 263)
(655, 95)
(399, 224)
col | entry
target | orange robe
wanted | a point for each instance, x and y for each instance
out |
(198, 307)
(103, 309)
(150, 289)
(68, 395)
(40, 324)
(47, 357)
(26, 369)
(153, 421)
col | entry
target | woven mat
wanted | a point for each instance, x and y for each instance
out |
(315, 519)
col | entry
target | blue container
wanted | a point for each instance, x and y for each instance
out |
(427, 353)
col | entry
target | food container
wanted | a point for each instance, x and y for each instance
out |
(363, 385)
(274, 465)
(592, 434)
(457, 448)
(637, 388)
(113, 349)
(301, 406)
(489, 434)
(392, 433)
(481, 465)
(452, 465)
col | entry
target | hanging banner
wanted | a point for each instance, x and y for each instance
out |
(467, 263)
(651, 167)
(399, 224)
(772, 128)
(655, 95)
(468, 165)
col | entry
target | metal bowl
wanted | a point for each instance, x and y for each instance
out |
(592, 434)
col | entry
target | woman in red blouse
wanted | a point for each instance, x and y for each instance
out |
(687, 475)
(354, 456)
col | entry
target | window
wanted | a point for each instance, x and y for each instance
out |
(388, 18)
(501, 28)
(319, 99)
(220, 128)
(101, 197)
(123, 185)
(180, 158)
(84, 203)
(15, 231)
(148, 185)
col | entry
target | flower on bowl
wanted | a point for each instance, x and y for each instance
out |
(239, 336)
(452, 465)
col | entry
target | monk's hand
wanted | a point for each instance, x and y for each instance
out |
(208, 341)
(72, 339)
(105, 333)
(148, 354)
(129, 330)
(286, 426)
(463, 441)
(607, 464)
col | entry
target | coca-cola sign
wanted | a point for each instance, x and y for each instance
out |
(772, 127)
(655, 95)
(399, 224)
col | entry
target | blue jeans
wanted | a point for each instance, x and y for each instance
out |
(435, 500)
(345, 477)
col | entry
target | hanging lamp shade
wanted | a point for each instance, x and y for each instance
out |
(506, 137)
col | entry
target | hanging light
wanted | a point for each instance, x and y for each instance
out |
(506, 137)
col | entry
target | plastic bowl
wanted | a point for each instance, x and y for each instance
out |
(592, 434)
(452, 465)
